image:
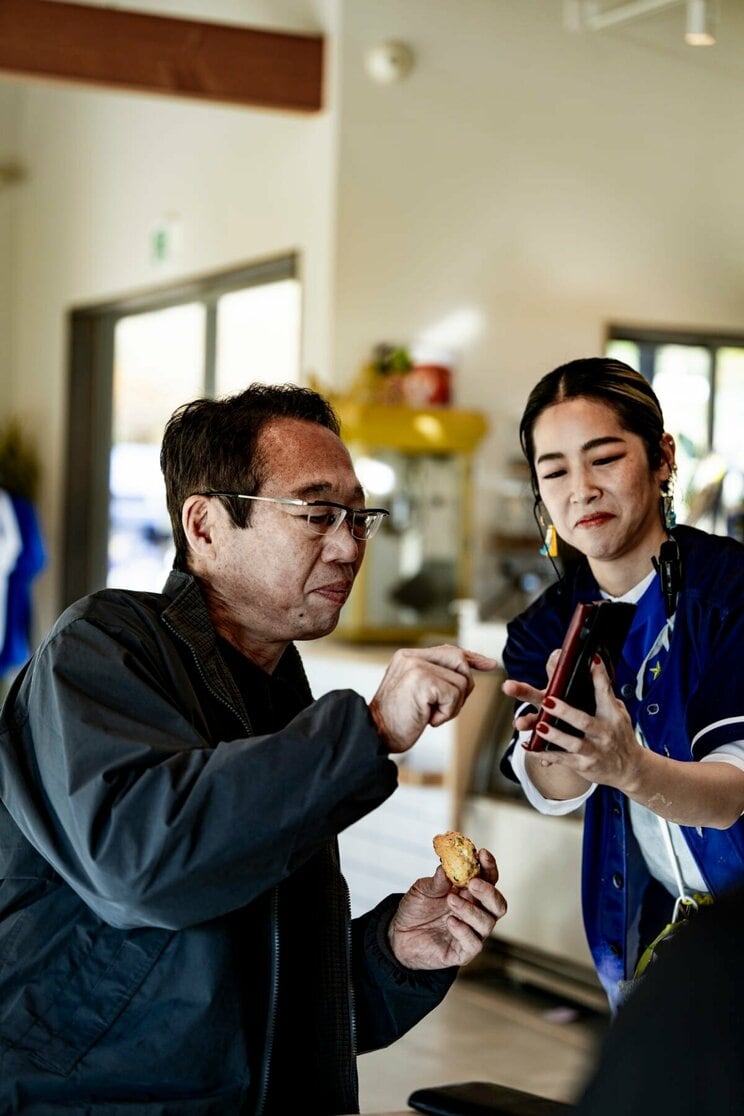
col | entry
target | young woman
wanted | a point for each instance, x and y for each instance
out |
(660, 766)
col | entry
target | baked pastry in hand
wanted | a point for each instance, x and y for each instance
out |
(458, 856)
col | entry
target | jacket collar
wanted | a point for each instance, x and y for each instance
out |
(187, 617)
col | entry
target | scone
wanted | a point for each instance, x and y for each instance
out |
(458, 856)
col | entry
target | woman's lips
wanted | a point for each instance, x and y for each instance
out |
(598, 519)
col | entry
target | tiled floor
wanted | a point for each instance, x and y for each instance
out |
(487, 1029)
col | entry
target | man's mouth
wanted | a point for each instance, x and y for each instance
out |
(337, 592)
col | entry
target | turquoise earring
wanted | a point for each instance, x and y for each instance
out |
(549, 548)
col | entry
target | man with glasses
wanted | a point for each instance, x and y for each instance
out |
(174, 927)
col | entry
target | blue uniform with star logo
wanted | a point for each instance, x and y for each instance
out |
(688, 701)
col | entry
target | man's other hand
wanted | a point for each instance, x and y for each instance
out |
(437, 925)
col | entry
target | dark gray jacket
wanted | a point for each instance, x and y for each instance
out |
(174, 927)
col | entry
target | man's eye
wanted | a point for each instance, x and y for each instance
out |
(323, 519)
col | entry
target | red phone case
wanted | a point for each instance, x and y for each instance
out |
(596, 628)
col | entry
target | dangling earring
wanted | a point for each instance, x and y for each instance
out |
(668, 514)
(549, 548)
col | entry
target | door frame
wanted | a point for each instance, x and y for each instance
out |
(91, 333)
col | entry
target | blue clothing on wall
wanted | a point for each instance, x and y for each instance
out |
(16, 647)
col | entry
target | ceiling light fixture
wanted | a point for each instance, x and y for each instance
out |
(700, 24)
(580, 15)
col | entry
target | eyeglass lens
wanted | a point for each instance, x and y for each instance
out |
(324, 519)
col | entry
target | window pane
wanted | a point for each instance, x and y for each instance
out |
(682, 383)
(158, 364)
(626, 351)
(258, 336)
(727, 436)
(729, 412)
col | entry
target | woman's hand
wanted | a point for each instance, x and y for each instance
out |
(608, 751)
(558, 783)
(686, 792)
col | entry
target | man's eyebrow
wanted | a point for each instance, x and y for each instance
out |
(593, 443)
(318, 489)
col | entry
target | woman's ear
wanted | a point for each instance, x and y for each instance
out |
(668, 456)
(197, 520)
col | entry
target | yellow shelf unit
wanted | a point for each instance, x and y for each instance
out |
(445, 432)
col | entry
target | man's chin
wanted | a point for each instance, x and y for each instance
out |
(319, 630)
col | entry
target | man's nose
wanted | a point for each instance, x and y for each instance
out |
(341, 545)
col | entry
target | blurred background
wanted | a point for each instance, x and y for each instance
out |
(436, 202)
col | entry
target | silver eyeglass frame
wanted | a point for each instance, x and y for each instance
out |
(350, 515)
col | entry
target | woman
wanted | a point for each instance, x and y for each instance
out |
(660, 768)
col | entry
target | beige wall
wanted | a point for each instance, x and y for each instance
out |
(9, 193)
(545, 182)
(102, 169)
(528, 183)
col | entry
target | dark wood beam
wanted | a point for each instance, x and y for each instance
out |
(156, 54)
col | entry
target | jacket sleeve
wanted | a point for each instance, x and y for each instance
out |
(110, 776)
(389, 998)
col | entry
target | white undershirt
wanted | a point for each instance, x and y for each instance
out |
(644, 822)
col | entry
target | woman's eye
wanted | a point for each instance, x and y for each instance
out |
(609, 460)
(554, 475)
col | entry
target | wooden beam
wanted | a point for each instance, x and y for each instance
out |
(156, 54)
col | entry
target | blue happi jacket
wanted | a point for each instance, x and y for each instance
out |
(694, 705)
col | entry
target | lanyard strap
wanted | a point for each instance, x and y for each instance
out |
(684, 902)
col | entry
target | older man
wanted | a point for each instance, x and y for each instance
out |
(174, 926)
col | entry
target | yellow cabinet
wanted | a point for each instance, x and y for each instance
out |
(418, 464)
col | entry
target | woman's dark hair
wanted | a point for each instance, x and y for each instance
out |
(608, 381)
(213, 444)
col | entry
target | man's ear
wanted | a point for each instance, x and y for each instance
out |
(197, 520)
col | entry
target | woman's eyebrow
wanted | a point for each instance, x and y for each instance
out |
(593, 443)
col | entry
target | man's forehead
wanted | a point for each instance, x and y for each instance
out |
(309, 460)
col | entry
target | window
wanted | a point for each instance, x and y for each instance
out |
(133, 363)
(699, 379)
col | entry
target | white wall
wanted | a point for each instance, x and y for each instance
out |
(103, 167)
(537, 182)
(543, 181)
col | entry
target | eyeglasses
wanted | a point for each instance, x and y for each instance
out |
(323, 517)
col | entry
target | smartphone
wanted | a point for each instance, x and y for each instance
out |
(596, 628)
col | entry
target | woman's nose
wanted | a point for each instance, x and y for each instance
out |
(584, 490)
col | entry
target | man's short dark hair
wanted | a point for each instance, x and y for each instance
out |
(213, 444)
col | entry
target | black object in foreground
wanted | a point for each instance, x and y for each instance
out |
(484, 1098)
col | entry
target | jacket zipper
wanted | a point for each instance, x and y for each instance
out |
(352, 1075)
(273, 1003)
(222, 700)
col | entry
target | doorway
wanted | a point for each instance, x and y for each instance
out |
(132, 363)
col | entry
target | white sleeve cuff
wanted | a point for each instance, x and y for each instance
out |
(732, 753)
(552, 806)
